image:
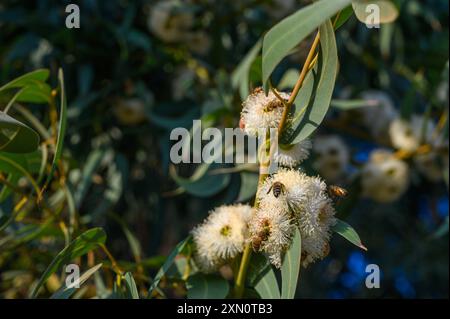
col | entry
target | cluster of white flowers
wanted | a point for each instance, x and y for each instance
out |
(287, 199)
(388, 127)
(332, 157)
(292, 155)
(290, 199)
(384, 178)
(169, 22)
(221, 237)
(261, 112)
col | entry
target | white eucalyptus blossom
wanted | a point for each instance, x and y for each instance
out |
(384, 178)
(292, 155)
(262, 112)
(379, 112)
(272, 228)
(304, 201)
(409, 135)
(332, 157)
(168, 23)
(222, 236)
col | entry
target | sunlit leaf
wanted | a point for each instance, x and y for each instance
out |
(288, 33)
(347, 231)
(290, 268)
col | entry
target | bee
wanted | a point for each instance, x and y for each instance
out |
(277, 188)
(272, 105)
(336, 192)
(261, 236)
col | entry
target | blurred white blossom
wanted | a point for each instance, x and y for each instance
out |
(384, 178)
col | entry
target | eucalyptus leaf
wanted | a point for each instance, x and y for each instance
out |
(66, 291)
(347, 231)
(15, 136)
(287, 34)
(61, 126)
(201, 286)
(169, 261)
(262, 277)
(313, 101)
(131, 286)
(290, 267)
(80, 246)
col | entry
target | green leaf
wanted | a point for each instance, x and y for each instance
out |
(66, 291)
(240, 77)
(35, 93)
(204, 186)
(28, 79)
(290, 268)
(80, 246)
(343, 17)
(249, 183)
(288, 33)
(16, 137)
(169, 261)
(61, 127)
(201, 286)
(347, 231)
(11, 165)
(388, 11)
(314, 98)
(262, 277)
(131, 286)
(346, 105)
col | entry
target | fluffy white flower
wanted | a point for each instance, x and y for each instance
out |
(262, 112)
(332, 157)
(168, 23)
(293, 155)
(384, 178)
(378, 113)
(221, 236)
(271, 228)
(305, 202)
(407, 135)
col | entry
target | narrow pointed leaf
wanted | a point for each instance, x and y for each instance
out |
(290, 268)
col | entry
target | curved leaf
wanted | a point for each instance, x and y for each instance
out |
(284, 36)
(169, 261)
(240, 76)
(204, 186)
(314, 98)
(262, 277)
(131, 286)
(16, 137)
(200, 286)
(80, 246)
(290, 268)
(347, 231)
(66, 291)
(31, 78)
(61, 127)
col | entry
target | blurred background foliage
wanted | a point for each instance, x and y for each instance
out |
(127, 87)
